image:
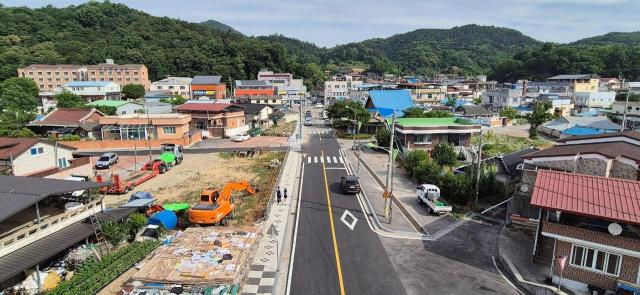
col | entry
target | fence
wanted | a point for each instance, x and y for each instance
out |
(187, 140)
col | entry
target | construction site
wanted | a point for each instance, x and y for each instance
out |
(173, 224)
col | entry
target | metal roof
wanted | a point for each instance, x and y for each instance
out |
(43, 249)
(18, 192)
(610, 150)
(206, 80)
(600, 197)
(574, 77)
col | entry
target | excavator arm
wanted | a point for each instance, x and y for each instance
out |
(230, 187)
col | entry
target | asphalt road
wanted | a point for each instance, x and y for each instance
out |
(361, 264)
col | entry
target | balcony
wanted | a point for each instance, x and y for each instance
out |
(23, 228)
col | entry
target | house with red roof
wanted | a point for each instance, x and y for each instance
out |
(63, 121)
(588, 230)
(215, 119)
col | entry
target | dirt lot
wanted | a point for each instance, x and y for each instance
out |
(183, 183)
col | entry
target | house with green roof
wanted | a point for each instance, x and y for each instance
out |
(122, 107)
(425, 133)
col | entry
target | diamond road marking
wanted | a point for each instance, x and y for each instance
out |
(351, 225)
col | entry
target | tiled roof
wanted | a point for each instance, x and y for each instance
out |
(204, 107)
(64, 117)
(601, 197)
(608, 149)
(253, 108)
(429, 122)
(206, 80)
(11, 147)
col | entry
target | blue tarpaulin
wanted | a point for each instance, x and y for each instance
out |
(580, 130)
(167, 218)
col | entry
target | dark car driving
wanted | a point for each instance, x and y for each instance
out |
(350, 184)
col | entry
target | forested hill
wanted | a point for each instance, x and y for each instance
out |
(91, 32)
(219, 26)
(613, 38)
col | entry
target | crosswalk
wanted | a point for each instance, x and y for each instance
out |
(320, 132)
(325, 159)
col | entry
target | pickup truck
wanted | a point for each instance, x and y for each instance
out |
(429, 195)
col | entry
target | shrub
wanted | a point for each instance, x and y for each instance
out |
(445, 155)
(428, 171)
(115, 232)
(383, 137)
(137, 221)
(413, 159)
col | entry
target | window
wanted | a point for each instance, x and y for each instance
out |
(182, 87)
(169, 130)
(37, 151)
(135, 73)
(423, 138)
(62, 163)
(596, 260)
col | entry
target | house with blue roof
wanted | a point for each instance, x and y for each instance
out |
(385, 102)
(573, 125)
(94, 90)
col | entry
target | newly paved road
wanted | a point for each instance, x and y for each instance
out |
(360, 265)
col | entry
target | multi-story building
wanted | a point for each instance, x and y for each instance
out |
(276, 79)
(594, 99)
(253, 88)
(120, 74)
(208, 87)
(290, 89)
(634, 87)
(425, 93)
(610, 84)
(632, 113)
(561, 106)
(94, 90)
(50, 78)
(501, 98)
(173, 86)
(333, 90)
(579, 83)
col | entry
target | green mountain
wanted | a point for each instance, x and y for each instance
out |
(91, 32)
(219, 26)
(613, 38)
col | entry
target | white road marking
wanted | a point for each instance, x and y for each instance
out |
(315, 160)
(328, 160)
(335, 168)
(321, 160)
(341, 162)
(295, 233)
(351, 225)
(335, 160)
(308, 160)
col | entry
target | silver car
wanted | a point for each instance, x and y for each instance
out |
(106, 160)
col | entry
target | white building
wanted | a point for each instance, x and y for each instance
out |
(595, 99)
(174, 86)
(333, 90)
(500, 98)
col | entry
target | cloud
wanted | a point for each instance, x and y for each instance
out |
(331, 22)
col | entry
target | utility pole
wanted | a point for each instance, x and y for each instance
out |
(355, 128)
(388, 192)
(624, 112)
(479, 170)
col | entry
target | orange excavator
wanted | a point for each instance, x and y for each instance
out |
(215, 206)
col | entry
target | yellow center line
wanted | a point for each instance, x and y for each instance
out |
(333, 230)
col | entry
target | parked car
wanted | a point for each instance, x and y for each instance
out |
(319, 106)
(241, 137)
(308, 122)
(327, 122)
(350, 184)
(106, 160)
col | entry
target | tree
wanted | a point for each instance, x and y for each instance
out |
(12, 124)
(445, 155)
(509, 113)
(538, 116)
(383, 137)
(428, 171)
(415, 112)
(456, 187)
(16, 94)
(451, 101)
(342, 112)
(413, 159)
(176, 100)
(133, 91)
(68, 99)
(622, 96)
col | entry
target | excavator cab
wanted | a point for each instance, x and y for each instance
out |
(209, 196)
(215, 206)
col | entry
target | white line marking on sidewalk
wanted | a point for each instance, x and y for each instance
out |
(335, 160)
(351, 225)
(328, 160)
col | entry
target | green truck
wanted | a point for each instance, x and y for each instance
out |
(171, 154)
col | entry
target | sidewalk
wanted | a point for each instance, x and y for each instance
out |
(267, 274)
(404, 189)
(515, 248)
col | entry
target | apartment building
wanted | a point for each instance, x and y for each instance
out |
(173, 86)
(501, 98)
(333, 90)
(120, 74)
(50, 78)
(594, 99)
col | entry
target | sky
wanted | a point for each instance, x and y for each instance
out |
(331, 22)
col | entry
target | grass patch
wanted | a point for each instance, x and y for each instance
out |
(493, 144)
(285, 129)
(225, 155)
(345, 135)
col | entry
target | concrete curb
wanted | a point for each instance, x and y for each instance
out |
(530, 287)
(404, 211)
